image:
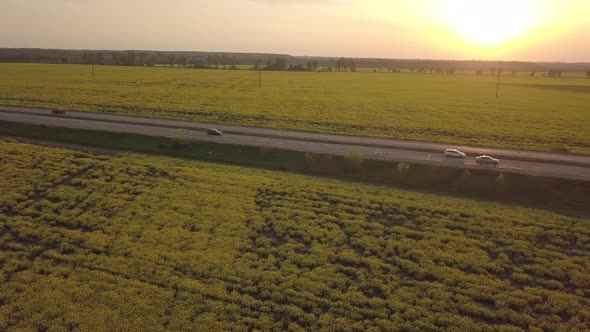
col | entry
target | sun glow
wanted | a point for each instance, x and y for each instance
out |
(491, 23)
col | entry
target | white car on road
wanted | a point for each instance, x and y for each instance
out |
(454, 153)
(214, 132)
(487, 160)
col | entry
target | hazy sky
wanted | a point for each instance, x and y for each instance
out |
(542, 30)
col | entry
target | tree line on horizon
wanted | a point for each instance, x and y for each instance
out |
(216, 61)
(279, 62)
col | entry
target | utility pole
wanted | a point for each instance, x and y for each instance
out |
(260, 72)
(498, 83)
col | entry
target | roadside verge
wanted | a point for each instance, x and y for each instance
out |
(564, 196)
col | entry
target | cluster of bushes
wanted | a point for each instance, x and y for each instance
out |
(554, 72)
(147, 243)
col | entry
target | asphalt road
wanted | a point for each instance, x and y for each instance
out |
(527, 155)
(370, 152)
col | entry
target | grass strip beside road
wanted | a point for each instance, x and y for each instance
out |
(563, 196)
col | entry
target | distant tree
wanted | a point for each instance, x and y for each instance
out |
(296, 68)
(130, 59)
(194, 62)
(279, 64)
(532, 74)
(341, 64)
(514, 72)
(150, 62)
(352, 65)
(92, 58)
(182, 61)
(588, 73)
(86, 58)
(233, 63)
(142, 59)
(479, 72)
(554, 72)
(117, 59)
(224, 61)
(312, 65)
(100, 58)
(171, 60)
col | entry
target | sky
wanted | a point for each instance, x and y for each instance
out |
(525, 30)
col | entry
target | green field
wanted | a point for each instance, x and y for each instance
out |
(133, 242)
(532, 113)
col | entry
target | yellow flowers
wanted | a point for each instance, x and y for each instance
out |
(459, 108)
(154, 243)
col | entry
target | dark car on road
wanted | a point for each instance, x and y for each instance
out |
(487, 160)
(58, 111)
(214, 132)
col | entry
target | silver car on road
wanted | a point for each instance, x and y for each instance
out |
(454, 153)
(487, 160)
(214, 132)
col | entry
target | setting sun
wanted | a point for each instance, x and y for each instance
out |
(491, 23)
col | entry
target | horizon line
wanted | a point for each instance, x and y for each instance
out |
(295, 56)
